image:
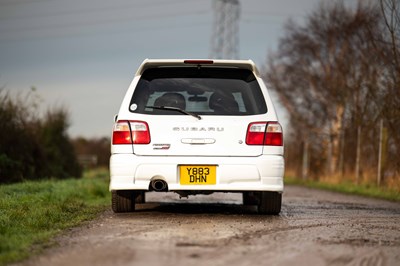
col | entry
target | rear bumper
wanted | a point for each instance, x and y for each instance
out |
(262, 173)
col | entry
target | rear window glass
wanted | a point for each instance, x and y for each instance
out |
(203, 91)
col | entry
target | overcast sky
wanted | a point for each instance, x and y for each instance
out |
(82, 54)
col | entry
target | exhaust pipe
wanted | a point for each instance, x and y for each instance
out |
(159, 185)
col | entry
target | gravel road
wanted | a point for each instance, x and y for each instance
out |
(315, 228)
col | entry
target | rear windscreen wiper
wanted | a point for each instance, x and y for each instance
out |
(170, 108)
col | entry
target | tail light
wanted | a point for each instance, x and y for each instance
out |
(264, 133)
(131, 132)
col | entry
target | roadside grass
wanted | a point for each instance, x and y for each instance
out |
(348, 187)
(33, 212)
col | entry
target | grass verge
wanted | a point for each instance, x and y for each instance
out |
(33, 212)
(349, 188)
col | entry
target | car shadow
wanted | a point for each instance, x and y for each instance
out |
(196, 208)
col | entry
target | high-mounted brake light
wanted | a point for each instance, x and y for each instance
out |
(131, 132)
(199, 62)
(264, 133)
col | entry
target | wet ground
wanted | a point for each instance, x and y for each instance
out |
(314, 228)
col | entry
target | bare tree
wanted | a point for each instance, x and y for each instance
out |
(324, 73)
(388, 45)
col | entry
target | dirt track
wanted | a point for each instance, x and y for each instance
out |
(314, 228)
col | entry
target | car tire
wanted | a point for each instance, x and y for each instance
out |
(270, 203)
(123, 201)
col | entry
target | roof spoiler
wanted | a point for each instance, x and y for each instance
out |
(154, 63)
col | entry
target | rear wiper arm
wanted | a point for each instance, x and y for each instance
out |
(175, 109)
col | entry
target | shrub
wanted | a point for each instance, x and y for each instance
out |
(32, 147)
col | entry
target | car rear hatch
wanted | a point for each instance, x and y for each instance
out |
(196, 108)
(188, 136)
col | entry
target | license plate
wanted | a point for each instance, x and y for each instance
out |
(198, 174)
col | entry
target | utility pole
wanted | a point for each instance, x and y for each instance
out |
(225, 37)
(358, 154)
(383, 137)
(379, 178)
(305, 163)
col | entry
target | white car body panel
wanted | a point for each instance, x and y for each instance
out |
(262, 173)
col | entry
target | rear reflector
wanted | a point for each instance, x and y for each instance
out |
(264, 133)
(199, 62)
(131, 132)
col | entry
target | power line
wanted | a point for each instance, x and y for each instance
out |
(98, 22)
(15, 2)
(58, 35)
(91, 10)
(275, 14)
(262, 20)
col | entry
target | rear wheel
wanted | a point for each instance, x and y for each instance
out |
(123, 200)
(270, 203)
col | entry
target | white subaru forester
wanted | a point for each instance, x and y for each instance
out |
(197, 127)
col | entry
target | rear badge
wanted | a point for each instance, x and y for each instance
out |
(161, 146)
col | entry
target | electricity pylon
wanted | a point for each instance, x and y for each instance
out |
(225, 37)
